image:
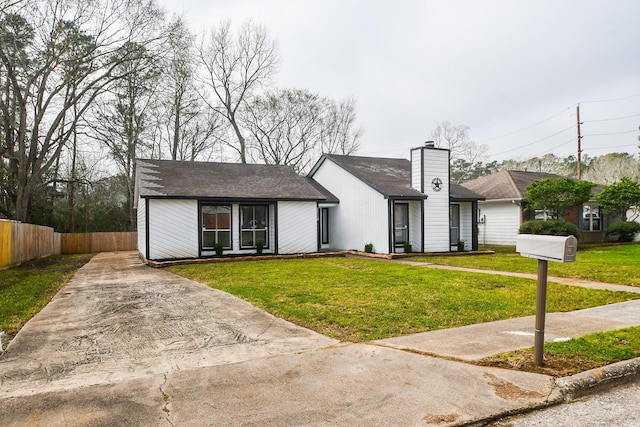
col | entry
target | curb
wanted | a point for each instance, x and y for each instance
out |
(599, 379)
(567, 389)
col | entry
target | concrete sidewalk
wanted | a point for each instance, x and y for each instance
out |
(125, 344)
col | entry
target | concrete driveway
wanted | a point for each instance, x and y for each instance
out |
(126, 344)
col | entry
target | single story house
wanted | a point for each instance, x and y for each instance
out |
(186, 208)
(503, 210)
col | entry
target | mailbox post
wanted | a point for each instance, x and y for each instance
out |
(544, 248)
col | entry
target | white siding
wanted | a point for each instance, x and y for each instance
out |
(436, 208)
(501, 222)
(415, 224)
(466, 225)
(416, 172)
(361, 217)
(297, 227)
(173, 229)
(142, 227)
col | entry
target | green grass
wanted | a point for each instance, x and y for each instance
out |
(576, 355)
(359, 300)
(27, 288)
(609, 264)
(601, 347)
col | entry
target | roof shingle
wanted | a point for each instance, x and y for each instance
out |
(170, 178)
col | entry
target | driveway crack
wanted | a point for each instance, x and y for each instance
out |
(166, 398)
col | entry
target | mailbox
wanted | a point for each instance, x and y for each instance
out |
(552, 248)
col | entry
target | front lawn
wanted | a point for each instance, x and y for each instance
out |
(360, 300)
(610, 264)
(27, 288)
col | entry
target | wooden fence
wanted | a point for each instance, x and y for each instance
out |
(22, 242)
(87, 243)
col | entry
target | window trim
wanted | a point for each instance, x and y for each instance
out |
(266, 229)
(202, 226)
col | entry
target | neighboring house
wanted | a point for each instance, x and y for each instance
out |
(388, 202)
(185, 208)
(503, 211)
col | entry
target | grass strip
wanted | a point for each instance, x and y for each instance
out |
(27, 288)
(576, 355)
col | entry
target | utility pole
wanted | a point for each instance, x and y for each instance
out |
(579, 142)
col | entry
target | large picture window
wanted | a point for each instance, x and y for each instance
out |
(253, 225)
(216, 226)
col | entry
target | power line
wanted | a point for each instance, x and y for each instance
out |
(611, 100)
(534, 142)
(611, 133)
(525, 128)
(551, 149)
(613, 118)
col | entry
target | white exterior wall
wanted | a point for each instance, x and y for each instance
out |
(361, 217)
(173, 229)
(415, 225)
(466, 225)
(436, 207)
(502, 220)
(297, 227)
(142, 227)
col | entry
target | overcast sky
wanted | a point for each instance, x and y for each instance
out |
(501, 67)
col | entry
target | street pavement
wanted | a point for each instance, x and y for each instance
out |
(127, 344)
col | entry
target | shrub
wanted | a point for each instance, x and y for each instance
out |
(626, 230)
(368, 247)
(408, 248)
(219, 248)
(549, 228)
(259, 247)
(460, 245)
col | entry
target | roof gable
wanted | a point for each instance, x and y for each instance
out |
(390, 177)
(170, 178)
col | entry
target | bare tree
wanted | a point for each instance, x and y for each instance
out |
(285, 126)
(339, 134)
(55, 60)
(190, 129)
(295, 127)
(233, 68)
(122, 119)
(456, 138)
(611, 168)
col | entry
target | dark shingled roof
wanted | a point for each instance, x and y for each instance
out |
(170, 178)
(462, 194)
(392, 177)
(505, 184)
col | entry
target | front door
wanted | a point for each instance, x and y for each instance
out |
(401, 223)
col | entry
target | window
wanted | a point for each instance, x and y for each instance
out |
(401, 223)
(324, 225)
(216, 226)
(454, 224)
(253, 225)
(591, 218)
